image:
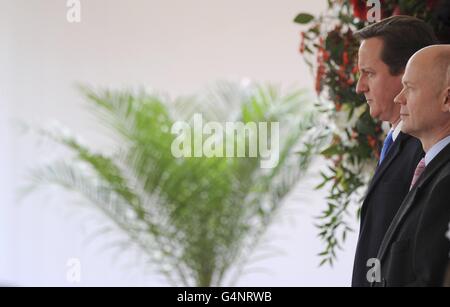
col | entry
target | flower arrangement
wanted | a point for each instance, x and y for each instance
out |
(330, 49)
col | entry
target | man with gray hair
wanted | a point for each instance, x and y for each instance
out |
(415, 250)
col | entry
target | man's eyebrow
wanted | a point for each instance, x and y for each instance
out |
(366, 69)
(407, 82)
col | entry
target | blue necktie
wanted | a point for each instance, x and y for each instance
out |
(387, 144)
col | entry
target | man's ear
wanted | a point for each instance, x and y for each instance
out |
(446, 98)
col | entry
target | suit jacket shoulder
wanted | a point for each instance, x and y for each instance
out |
(415, 249)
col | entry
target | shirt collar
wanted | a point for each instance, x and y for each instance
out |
(396, 131)
(436, 149)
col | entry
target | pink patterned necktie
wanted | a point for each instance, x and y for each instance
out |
(418, 172)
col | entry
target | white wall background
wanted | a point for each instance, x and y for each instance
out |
(175, 45)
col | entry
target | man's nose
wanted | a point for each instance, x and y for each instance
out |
(361, 86)
(400, 99)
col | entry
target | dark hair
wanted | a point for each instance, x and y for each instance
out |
(402, 36)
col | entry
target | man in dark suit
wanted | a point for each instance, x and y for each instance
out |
(385, 49)
(415, 250)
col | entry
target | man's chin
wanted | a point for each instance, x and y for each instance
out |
(374, 114)
(406, 129)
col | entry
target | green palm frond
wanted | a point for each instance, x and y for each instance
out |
(198, 217)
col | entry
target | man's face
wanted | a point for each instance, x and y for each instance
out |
(376, 83)
(420, 110)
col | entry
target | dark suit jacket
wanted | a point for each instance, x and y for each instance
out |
(385, 194)
(415, 250)
(447, 276)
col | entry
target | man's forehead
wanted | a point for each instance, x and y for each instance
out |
(416, 64)
(412, 74)
(370, 62)
(367, 58)
(369, 52)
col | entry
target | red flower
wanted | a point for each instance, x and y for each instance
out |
(322, 55)
(431, 4)
(342, 75)
(302, 42)
(397, 11)
(359, 9)
(378, 128)
(321, 42)
(319, 77)
(372, 141)
(345, 58)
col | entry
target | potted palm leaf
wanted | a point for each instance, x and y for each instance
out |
(196, 218)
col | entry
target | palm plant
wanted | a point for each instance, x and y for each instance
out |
(199, 217)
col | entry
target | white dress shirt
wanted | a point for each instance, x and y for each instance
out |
(396, 131)
(436, 149)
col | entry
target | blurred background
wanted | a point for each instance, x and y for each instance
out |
(175, 46)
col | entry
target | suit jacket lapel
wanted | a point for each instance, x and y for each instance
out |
(382, 168)
(406, 205)
(434, 166)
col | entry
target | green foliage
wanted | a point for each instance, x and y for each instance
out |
(330, 49)
(195, 218)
